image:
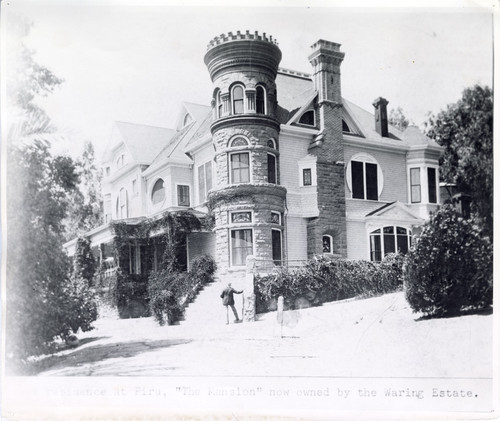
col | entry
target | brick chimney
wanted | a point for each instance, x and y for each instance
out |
(381, 125)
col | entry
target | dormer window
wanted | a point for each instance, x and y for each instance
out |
(120, 162)
(308, 118)
(238, 99)
(187, 119)
(260, 101)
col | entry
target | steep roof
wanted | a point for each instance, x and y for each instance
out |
(143, 142)
(294, 89)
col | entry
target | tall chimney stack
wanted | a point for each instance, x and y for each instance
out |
(381, 124)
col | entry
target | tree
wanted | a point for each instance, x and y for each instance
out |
(398, 119)
(42, 301)
(85, 203)
(465, 129)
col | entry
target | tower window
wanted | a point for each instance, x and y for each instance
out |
(271, 169)
(241, 246)
(260, 100)
(239, 141)
(308, 118)
(238, 107)
(219, 104)
(240, 167)
(276, 246)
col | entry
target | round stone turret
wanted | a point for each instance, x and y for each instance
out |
(247, 200)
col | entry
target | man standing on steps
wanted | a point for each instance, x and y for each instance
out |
(228, 301)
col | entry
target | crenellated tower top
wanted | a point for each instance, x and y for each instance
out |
(242, 51)
(222, 38)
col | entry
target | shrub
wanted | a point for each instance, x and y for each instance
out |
(84, 264)
(450, 267)
(170, 292)
(323, 279)
(131, 295)
(162, 295)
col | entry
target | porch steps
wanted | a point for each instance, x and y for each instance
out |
(207, 308)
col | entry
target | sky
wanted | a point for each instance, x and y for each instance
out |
(126, 61)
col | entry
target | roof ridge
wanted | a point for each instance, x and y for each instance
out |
(143, 125)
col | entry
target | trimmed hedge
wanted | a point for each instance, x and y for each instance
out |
(325, 279)
(451, 266)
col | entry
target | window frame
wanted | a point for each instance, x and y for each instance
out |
(364, 159)
(232, 170)
(232, 248)
(381, 235)
(177, 187)
(202, 170)
(264, 100)
(277, 262)
(303, 179)
(419, 185)
(330, 242)
(233, 100)
(122, 204)
(435, 185)
(275, 158)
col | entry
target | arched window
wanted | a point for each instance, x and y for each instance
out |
(308, 118)
(219, 104)
(271, 144)
(260, 100)
(158, 193)
(238, 141)
(389, 239)
(238, 103)
(327, 244)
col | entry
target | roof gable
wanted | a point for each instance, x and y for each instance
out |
(142, 142)
(395, 211)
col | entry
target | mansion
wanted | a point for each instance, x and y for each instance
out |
(286, 167)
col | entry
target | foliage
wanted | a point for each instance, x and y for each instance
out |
(131, 295)
(170, 292)
(465, 129)
(85, 210)
(43, 302)
(84, 264)
(450, 267)
(398, 119)
(324, 279)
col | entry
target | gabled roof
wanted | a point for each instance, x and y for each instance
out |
(142, 142)
(174, 150)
